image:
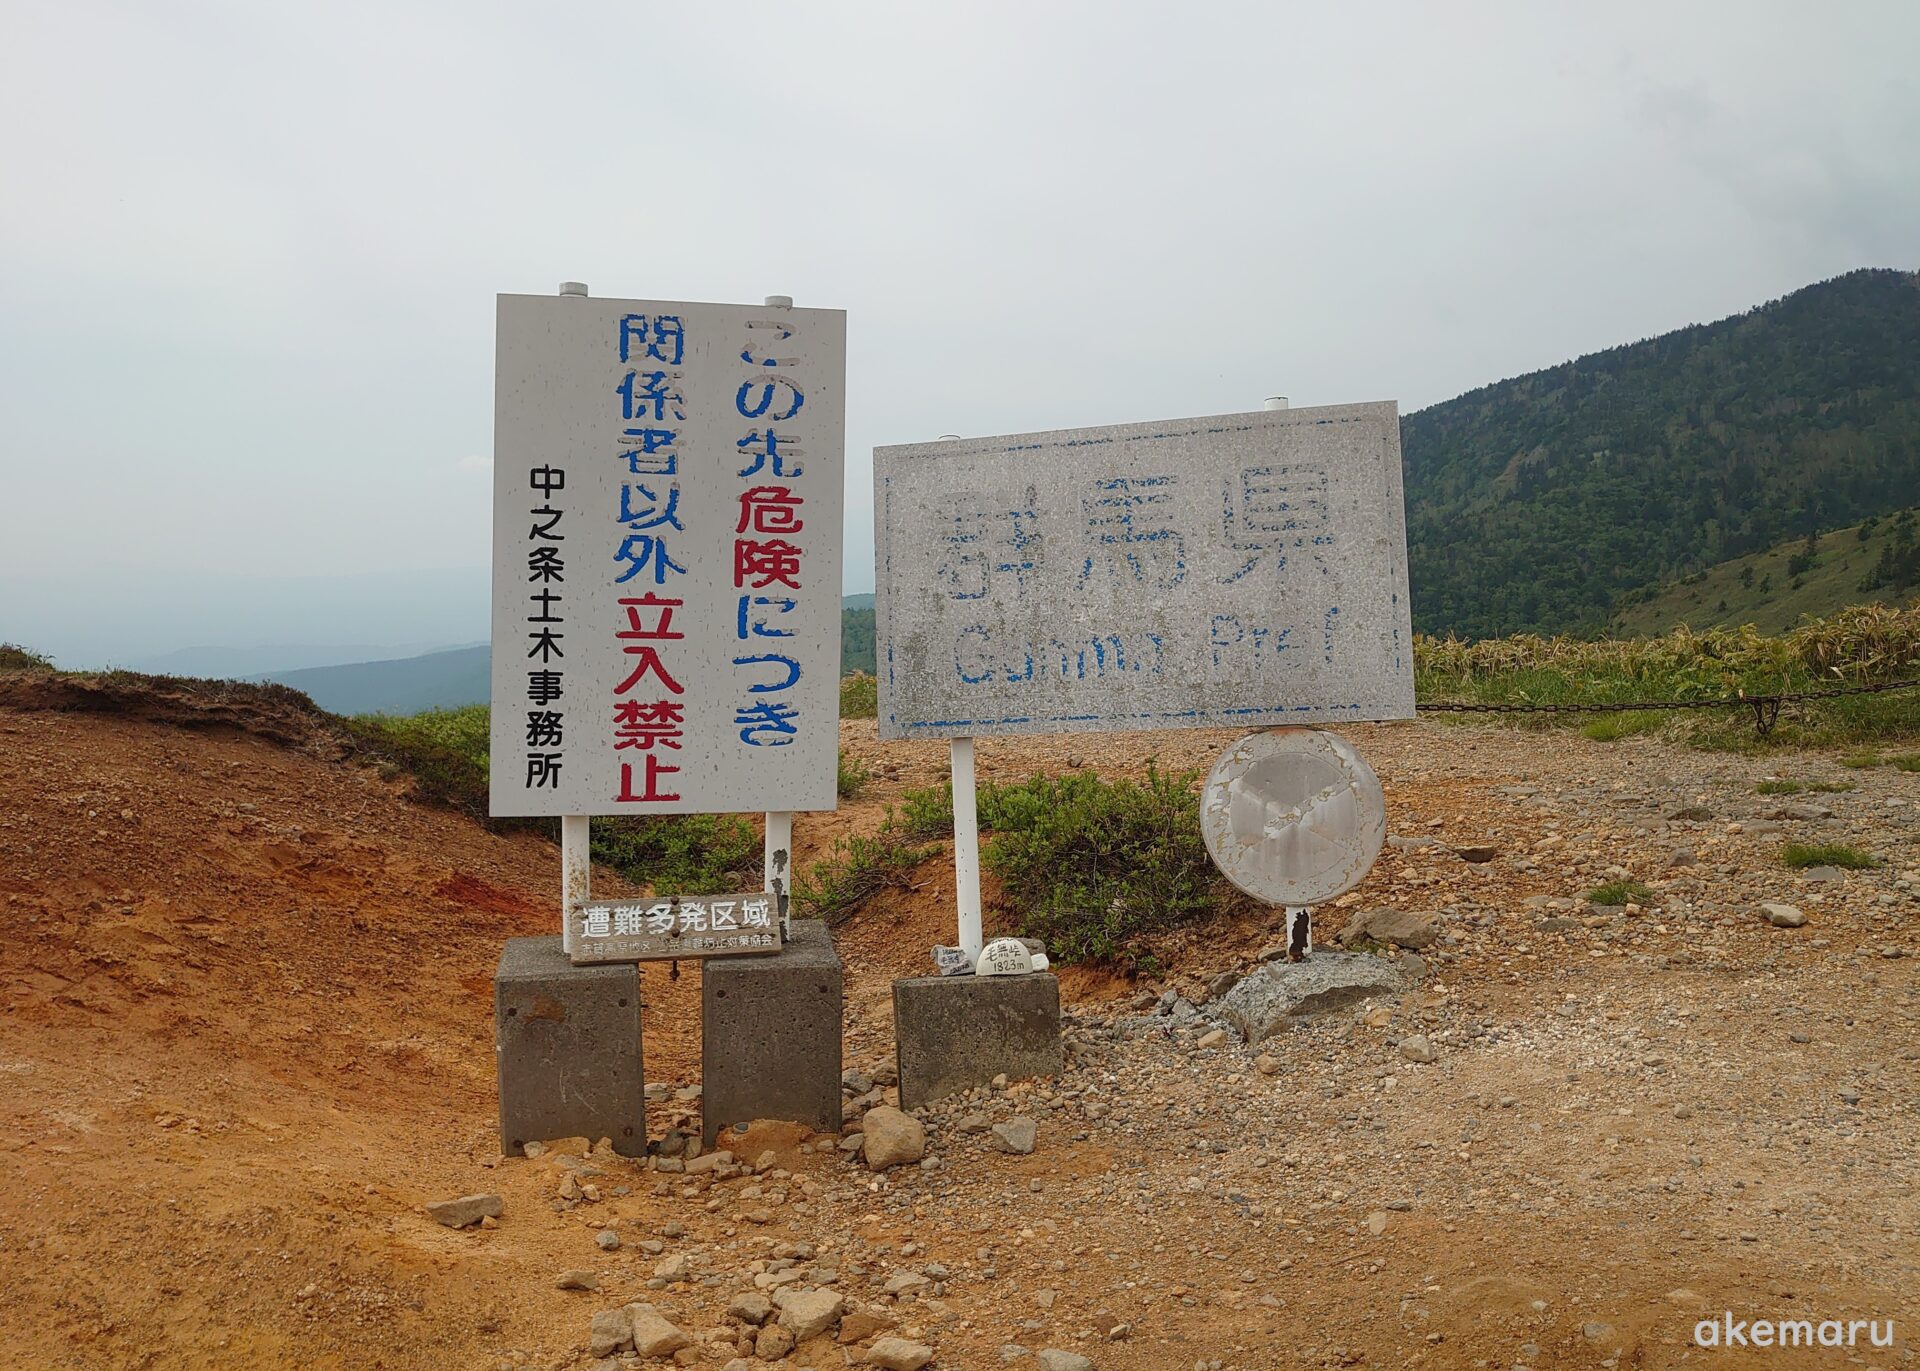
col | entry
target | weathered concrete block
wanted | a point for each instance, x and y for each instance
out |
(567, 1040)
(770, 1032)
(1272, 996)
(953, 1033)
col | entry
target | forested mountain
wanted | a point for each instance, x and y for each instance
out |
(1534, 503)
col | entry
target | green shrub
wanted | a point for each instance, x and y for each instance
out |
(859, 696)
(445, 750)
(1092, 865)
(1802, 855)
(1778, 788)
(927, 811)
(13, 657)
(680, 854)
(1620, 892)
(857, 869)
(853, 776)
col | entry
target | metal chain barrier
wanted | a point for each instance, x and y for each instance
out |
(1766, 708)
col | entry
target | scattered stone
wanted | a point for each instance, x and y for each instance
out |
(751, 1307)
(1395, 926)
(1823, 873)
(1053, 1359)
(468, 1209)
(973, 1123)
(1476, 852)
(607, 1240)
(809, 1313)
(1783, 915)
(893, 1138)
(578, 1280)
(674, 1269)
(1275, 995)
(653, 1334)
(1213, 1038)
(902, 1281)
(1416, 1048)
(1693, 814)
(898, 1354)
(612, 1330)
(1267, 1065)
(1016, 1135)
(1596, 1332)
(1222, 983)
(772, 1343)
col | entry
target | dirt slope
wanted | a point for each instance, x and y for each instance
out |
(245, 1032)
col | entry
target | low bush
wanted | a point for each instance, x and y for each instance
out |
(681, 854)
(853, 776)
(857, 869)
(1620, 892)
(1093, 865)
(927, 811)
(13, 657)
(1802, 855)
(859, 696)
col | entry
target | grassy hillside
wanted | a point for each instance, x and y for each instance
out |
(1871, 562)
(1534, 504)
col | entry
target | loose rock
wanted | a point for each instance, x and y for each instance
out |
(897, 1354)
(893, 1138)
(466, 1210)
(1016, 1135)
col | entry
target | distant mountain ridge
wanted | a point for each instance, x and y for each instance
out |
(1538, 502)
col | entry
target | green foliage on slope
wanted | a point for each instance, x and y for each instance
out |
(1533, 504)
(1877, 561)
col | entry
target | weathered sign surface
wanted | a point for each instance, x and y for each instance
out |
(1242, 569)
(666, 556)
(678, 926)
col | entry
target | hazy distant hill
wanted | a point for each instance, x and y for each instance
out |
(445, 680)
(1535, 503)
(1773, 590)
(406, 685)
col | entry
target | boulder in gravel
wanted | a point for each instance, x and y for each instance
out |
(1416, 1048)
(468, 1209)
(772, 1343)
(578, 1280)
(898, 1354)
(752, 1307)
(1783, 915)
(1275, 994)
(809, 1313)
(894, 1138)
(1395, 926)
(1015, 1135)
(654, 1335)
(1053, 1359)
(612, 1330)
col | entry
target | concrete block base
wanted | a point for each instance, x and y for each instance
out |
(953, 1033)
(567, 1039)
(770, 1035)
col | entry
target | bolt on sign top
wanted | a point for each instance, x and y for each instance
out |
(666, 556)
(1238, 570)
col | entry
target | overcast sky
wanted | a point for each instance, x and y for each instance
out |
(248, 251)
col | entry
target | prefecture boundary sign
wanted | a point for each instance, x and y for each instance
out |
(666, 556)
(1236, 570)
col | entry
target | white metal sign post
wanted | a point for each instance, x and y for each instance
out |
(666, 578)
